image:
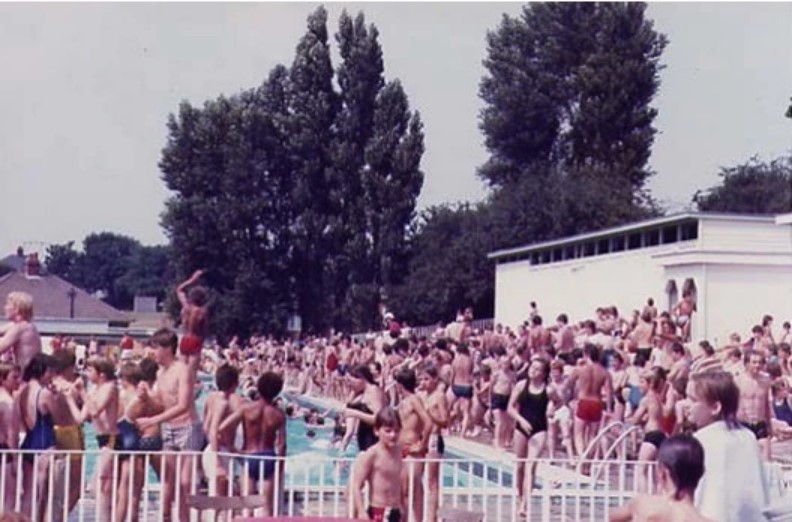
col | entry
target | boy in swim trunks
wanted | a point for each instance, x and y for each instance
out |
(101, 406)
(68, 433)
(264, 427)
(195, 320)
(380, 466)
(592, 379)
(181, 429)
(219, 405)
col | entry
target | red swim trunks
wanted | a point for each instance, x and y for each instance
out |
(378, 514)
(589, 410)
(190, 344)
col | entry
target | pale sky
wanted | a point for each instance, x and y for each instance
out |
(85, 91)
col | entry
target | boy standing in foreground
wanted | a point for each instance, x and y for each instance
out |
(381, 467)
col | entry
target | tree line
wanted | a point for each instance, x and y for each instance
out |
(299, 195)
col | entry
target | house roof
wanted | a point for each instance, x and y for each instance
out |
(51, 298)
(631, 227)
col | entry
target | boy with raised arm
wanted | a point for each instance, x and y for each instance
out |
(194, 318)
(381, 467)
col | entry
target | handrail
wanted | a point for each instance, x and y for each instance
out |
(598, 437)
(612, 448)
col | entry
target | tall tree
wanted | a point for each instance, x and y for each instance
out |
(570, 85)
(754, 187)
(314, 105)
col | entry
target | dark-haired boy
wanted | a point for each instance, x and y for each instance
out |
(101, 406)
(68, 432)
(381, 467)
(264, 428)
(219, 405)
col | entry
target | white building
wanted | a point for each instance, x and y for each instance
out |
(739, 266)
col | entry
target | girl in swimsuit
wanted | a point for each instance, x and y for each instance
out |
(36, 405)
(369, 400)
(528, 407)
(130, 466)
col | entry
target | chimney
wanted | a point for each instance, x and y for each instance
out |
(32, 265)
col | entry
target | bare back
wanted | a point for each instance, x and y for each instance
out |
(195, 320)
(592, 378)
(261, 423)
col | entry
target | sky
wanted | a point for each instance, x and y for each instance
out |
(86, 89)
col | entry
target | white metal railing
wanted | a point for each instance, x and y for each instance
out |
(54, 486)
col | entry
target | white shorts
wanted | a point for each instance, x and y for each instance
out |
(562, 414)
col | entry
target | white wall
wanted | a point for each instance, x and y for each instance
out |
(738, 296)
(744, 236)
(578, 287)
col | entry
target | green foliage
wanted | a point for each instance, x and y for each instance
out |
(117, 266)
(296, 196)
(569, 85)
(753, 187)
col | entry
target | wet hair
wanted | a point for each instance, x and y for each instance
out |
(103, 366)
(269, 385)
(536, 320)
(148, 370)
(753, 353)
(361, 371)
(786, 325)
(707, 348)
(310, 434)
(131, 373)
(227, 378)
(563, 319)
(719, 387)
(683, 457)
(545, 367)
(62, 360)
(656, 377)
(197, 296)
(37, 367)
(431, 371)
(387, 417)
(650, 301)
(165, 338)
(406, 378)
(767, 319)
(289, 410)
(592, 352)
(678, 348)
(22, 303)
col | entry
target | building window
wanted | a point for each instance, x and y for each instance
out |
(670, 235)
(604, 246)
(634, 241)
(652, 237)
(588, 249)
(617, 244)
(570, 252)
(689, 231)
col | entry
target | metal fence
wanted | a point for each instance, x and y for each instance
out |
(59, 485)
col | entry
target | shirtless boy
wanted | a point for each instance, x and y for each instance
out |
(20, 334)
(380, 466)
(680, 467)
(264, 427)
(219, 405)
(9, 431)
(195, 319)
(437, 408)
(68, 432)
(101, 406)
(462, 386)
(650, 413)
(181, 430)
(755, 407)
(683, 314)
(417, 427)
(591, 379)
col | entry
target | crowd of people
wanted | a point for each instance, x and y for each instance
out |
(542, 389)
